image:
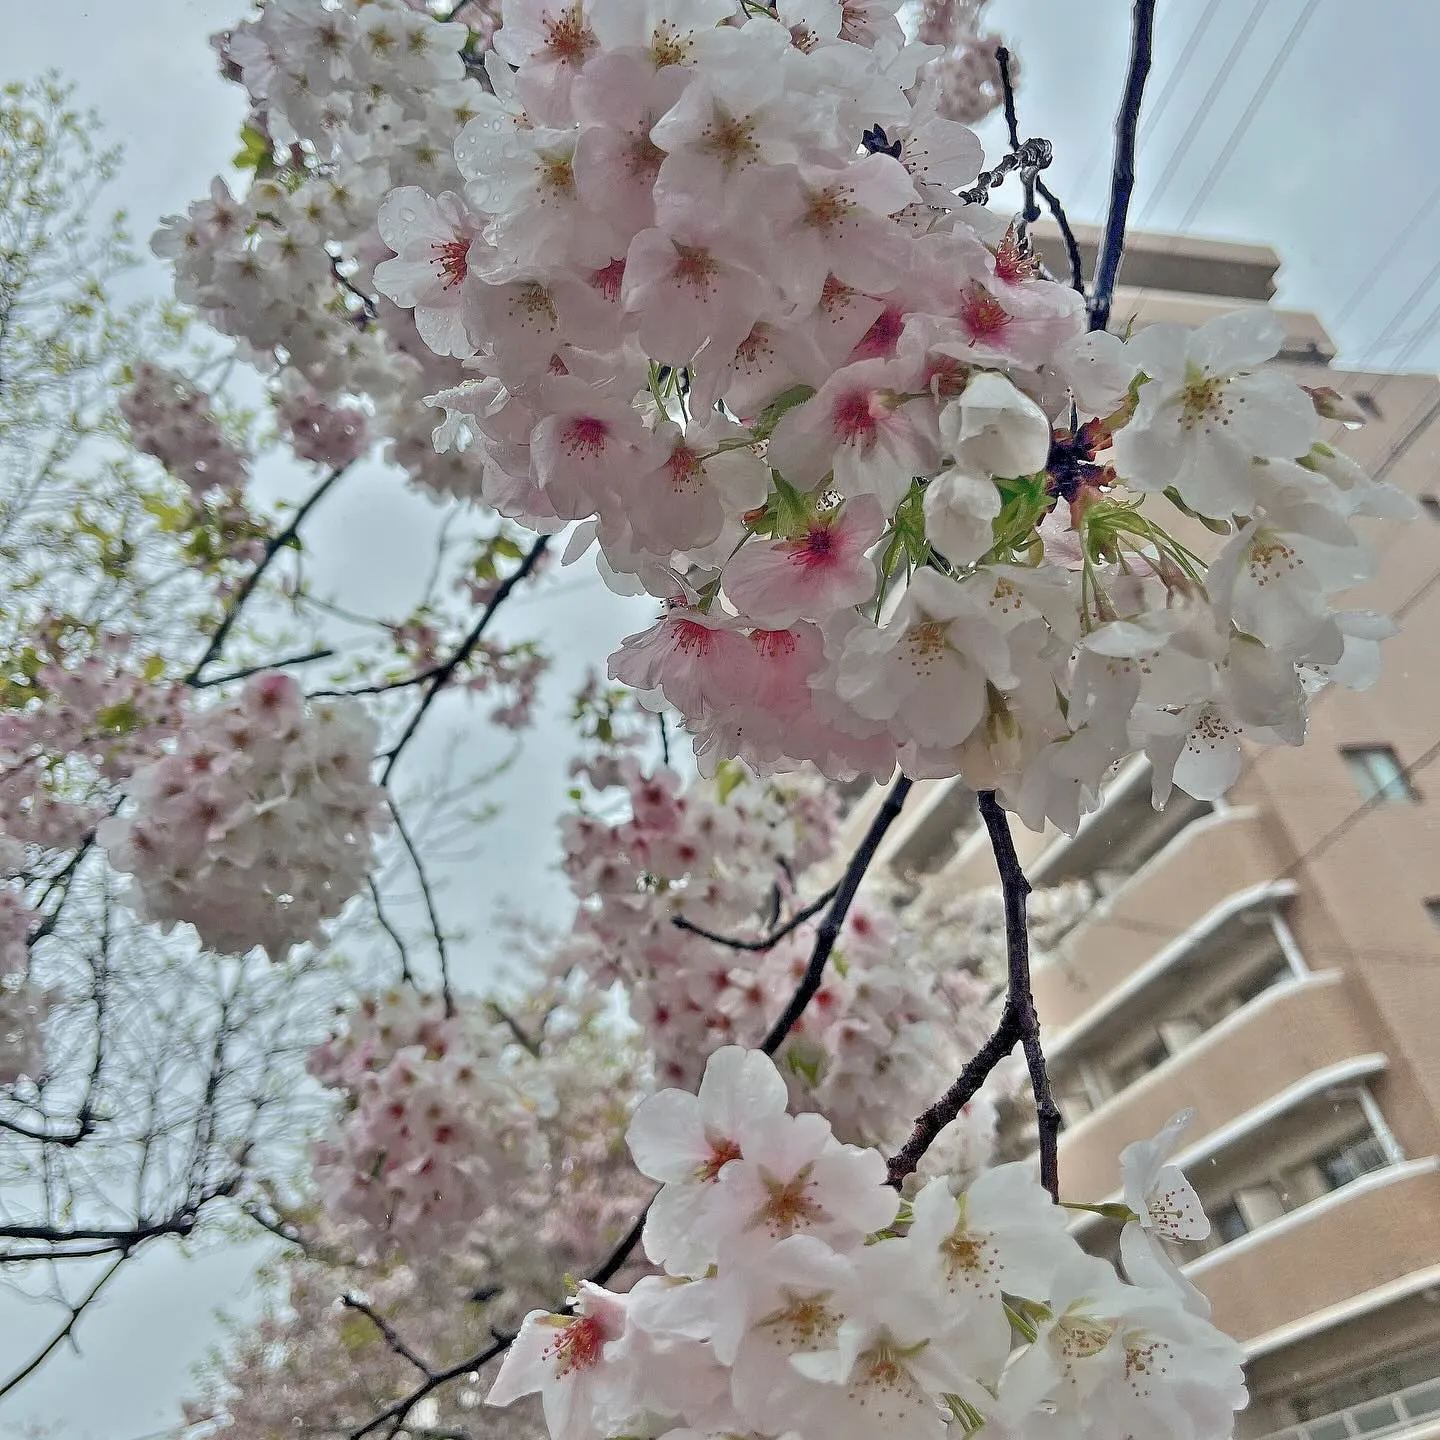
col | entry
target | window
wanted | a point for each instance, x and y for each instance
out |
(1377, 773)
(1154, 1054)
(1262, 981)
(1259, 1204)
(1228, 1223)
(1430, 504)
(1351, 1161)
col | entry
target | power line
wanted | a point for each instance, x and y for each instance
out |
(1202, 111)
(1242, 125)
(1384, 263)
(1171, 88)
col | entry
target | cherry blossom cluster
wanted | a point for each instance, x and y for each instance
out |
(718, 863)
(329, 435)
(893, 1014)
(457, 1129)
(967, 76)
(172, 420)
(77, 727)
(728, 309)
(258, 825)
(800, 1297)
(347, 101)
(433, 1130)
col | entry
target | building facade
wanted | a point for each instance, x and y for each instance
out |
(1272, 961)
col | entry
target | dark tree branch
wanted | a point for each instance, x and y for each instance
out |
(431, 910)
(440, 677)
(252, 580)
(1122, 175)
(66, 1330)
(407, 975)
(829, 930)
(290, 662)
(1012, 124)
(1018, 1023)
(767, 942)
(1021, 999)
(395, 1414)
(353, 1302)
(513, 1026)
(1034, 183)
(929, 1125)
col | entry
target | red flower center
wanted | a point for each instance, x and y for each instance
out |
(854, 418)
(578, 1346)
(608, 280)
(452, 258)
(773, 644)
(722, 1152)
(585, 436)
(816, 548)
(982, 314)
(568, 39)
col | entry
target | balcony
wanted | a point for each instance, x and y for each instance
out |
(1366, 1235)
(1164, 901)
(1268, 1045)
(1406, 1410)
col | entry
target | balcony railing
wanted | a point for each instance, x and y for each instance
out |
(1414, 1405)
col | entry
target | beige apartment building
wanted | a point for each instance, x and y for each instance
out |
(1272, 960)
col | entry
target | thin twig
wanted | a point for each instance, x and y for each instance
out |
(431, 910)
(290, 662)
(769, 941)
(829, 930)
(1012, 124)
(1034, 183)
(402, 1407)
(1122, 174)
(247, 586)
(929, 1125)
(514, 1027)
(1021, 1000)
(393, 1340)
(66, 1330)
(441, 676)
(407, 975)
(1018, 1024)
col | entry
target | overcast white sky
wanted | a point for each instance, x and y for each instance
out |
(1317, 139)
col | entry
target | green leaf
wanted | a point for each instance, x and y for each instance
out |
(255, 150)
(778, 408)
(729, 776)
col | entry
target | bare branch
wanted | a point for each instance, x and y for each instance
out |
(767, 942)
(829, 930)
(1018, 1023)
(66, 1330)
(440, 677)
(1122, 175)
(289, 663)
(248, 585)
(353, 1302)
(428, 894)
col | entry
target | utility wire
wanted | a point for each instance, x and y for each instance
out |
(1242, 125)
(1202, 111)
